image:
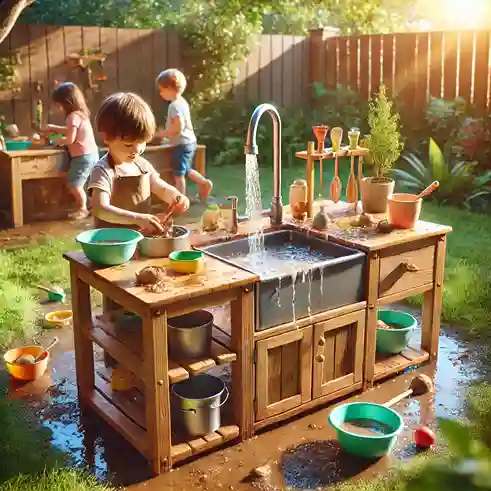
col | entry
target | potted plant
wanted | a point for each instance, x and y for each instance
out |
(385, 145)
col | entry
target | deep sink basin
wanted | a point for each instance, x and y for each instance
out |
(324, 275)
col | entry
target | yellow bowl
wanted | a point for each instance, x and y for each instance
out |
(30, 371)
(187, 262)
(60, 318)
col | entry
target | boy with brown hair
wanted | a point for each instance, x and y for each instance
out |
(122, 182)
(179, 129)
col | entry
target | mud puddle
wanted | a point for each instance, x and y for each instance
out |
(301, 454)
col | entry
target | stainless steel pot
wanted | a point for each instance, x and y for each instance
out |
(189, 335)
(160, 246)
(200, 400)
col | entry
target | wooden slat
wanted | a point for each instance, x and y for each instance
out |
(277, 72)
(109, 45)
(466, 59)
(481, 71)
(451, 43)
(221, 355)
(160, 63)
(388, 62)
(405, 67)
(353, 63)
(174, 53)
(305, 67)
(331, 62)
(128, 53)
(274, 375)
(229, 432)
(253, 67)
(180, 452)
(340, 352)
(436, 64)
(375, 63)
(387, 365)
(265, 73)
(221, 337)
(289, 379)
(364, 88)
(329, 356)
(6, 108)
(146, 73)
(421, 82)
(288, 68)
(299, 65)
(343, 63)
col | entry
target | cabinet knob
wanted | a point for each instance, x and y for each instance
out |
(320, 358)
(322, 341)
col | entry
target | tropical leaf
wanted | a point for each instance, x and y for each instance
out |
(436, 160)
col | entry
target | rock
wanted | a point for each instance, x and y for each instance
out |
(263, 471)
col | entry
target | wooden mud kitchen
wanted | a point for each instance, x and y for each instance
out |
(33, 188)
(285, 358)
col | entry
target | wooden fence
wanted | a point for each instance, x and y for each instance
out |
(414, 66)
(277, 69)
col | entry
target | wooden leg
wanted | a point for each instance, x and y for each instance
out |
(242, 321)
(373, 266)
(432, 306)
(157, 390)
(200, 160)
(310, 186)
(82, 327)
(16, 188)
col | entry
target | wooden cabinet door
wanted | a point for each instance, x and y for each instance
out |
(283, 372)
(338, 349)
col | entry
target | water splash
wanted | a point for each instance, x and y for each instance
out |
(310, 275)
(294, 280)
(254, 205)
(278, 291)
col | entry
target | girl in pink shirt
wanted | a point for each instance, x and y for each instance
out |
(78, 136)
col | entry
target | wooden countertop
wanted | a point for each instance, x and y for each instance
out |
(216, 276)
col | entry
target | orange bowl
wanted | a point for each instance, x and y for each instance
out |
(30, 371)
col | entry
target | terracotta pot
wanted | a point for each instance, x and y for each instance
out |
(375, 193)
(404, 210)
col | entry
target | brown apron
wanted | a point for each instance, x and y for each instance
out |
(131, 193)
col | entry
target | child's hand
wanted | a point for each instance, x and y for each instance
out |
(46, 129)
(183, 205)
(149, 222)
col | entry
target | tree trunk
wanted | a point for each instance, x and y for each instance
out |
(9, 13)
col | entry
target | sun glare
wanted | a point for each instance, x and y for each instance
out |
(466, 14)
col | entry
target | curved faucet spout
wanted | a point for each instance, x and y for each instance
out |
(251, 148)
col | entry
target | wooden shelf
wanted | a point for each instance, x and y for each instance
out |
(386, 365)
(125, 345)
(344, 152)
(195, 446)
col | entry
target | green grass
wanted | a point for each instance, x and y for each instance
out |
(479, 411)
(55, 480)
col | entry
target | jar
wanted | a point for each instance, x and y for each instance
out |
(210, 220)
(354, 138)
(298, 198)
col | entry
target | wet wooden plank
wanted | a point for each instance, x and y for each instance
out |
(290, 370)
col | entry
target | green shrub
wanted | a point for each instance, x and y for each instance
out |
(479, 411)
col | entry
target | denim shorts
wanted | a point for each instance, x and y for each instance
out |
(80, 167)
(183, 156)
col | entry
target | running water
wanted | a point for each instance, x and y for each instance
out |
(254, 206)
(294, 280)
(310, 274)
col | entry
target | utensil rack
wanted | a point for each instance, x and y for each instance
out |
(328, 154)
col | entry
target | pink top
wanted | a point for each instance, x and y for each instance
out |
(79, 135)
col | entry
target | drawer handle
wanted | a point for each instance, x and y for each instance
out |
(410, 267)
(320, 358)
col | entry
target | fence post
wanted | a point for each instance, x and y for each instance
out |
(317, 55)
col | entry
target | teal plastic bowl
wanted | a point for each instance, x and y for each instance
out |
(109, 246)
(393, 341)
(13, 145)
(371, 446)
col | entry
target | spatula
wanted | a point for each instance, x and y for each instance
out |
(427, 191)
(336, 186)
(352, 187)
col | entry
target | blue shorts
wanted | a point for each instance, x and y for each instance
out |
(183, 156)
(80, 167)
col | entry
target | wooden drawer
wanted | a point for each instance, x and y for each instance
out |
(405, 268)
(40, 167)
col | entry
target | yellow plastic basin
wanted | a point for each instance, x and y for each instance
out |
(59, 318)
(30, 371)
(187, 262)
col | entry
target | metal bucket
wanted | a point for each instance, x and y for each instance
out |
(160, 246)
(200, 402)
(189, 335)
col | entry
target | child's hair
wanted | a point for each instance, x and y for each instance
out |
(172, 78)
(71, 98)
(125, 115)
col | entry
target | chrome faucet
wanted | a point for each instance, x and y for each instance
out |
(276, 214)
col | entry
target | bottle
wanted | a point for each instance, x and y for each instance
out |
(298, 199)
(228, 212)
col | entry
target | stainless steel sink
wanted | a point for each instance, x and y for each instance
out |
(301, 275)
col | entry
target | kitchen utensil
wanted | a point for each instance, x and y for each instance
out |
(321, 221)
(187, 262)
(336, 186)
(336, 139)
(320, 133)
(354, 138)
(47, 349)
(393, 341)
(421, 384)
(55, 294)
(189, 335)
(404, 210)
(166, 217)
(60, 318)
(427, 191)
(162, 245)
(352, 187)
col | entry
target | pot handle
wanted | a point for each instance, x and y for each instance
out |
(224, 401)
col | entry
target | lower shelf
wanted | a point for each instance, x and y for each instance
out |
(195, 446)
(387, 365)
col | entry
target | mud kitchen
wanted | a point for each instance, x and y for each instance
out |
(294, 300)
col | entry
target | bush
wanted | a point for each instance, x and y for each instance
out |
(479, 411)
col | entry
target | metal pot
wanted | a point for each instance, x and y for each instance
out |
(189, 335)
(160, 246)
(200, 402)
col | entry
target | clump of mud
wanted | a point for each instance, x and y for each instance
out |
(152, 278)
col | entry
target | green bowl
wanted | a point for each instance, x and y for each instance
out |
(13, 145)
(366, 446)
(120, 246)
(186, 255)
(393, 341)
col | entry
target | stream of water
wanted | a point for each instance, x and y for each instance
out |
(254, 206)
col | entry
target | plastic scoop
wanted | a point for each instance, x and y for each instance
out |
(55, 294)
(427, 191)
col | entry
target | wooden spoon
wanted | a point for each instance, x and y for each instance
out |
(352, 187)
(427, 191)
(336, 186)
(165, 219)
(53, 343)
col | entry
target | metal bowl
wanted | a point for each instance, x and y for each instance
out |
(160, 246)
